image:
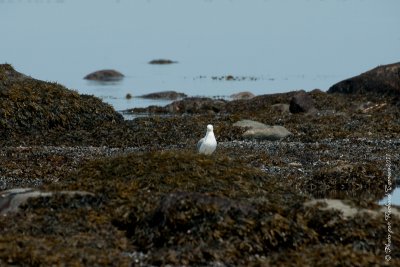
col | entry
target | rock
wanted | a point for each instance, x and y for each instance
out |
(382, 80)
(259, 130)
(282, 108)
(317, 91)
(104, 76)
(196, 105)
(30, 106)
(168, 95)
(301, 102)
(162, 61)
(250, 124)
(242, 96)
(229, 78)
(11, 200)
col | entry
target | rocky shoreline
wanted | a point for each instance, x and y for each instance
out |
(154, 201)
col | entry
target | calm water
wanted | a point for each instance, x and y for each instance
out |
(284, 44)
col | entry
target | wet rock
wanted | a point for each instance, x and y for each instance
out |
(229, 78)
(281, 108)
(196, 105)
(301, 102)
(162, 62)
(382, 80)
(242, 95)
(105, 76)
(31, 106)
(259, 130)
(11, 200)
(168, 95)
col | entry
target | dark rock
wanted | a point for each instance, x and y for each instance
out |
(104, 76)
(229, 78)
(168, 95)
(162, 61)
(301, 102)
(242, 96)
(382, 80)
(29, 105)
(196, 105)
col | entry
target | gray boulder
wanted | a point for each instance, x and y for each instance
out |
(258, 130)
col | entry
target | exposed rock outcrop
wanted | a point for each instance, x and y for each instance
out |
(382, 80)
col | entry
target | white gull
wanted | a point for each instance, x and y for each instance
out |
(207, 144)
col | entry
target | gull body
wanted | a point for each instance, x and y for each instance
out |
(207, 144)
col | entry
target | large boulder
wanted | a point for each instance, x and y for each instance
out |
(29, 105)
(105, 76)
(382, 80)
(258, 130)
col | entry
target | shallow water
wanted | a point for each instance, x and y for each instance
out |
(284, 45)
(391, 199)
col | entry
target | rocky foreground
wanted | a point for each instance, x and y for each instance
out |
(109, 192)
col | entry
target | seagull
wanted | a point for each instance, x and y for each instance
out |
(207, 144)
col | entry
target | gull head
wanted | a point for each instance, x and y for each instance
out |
(210, 128)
